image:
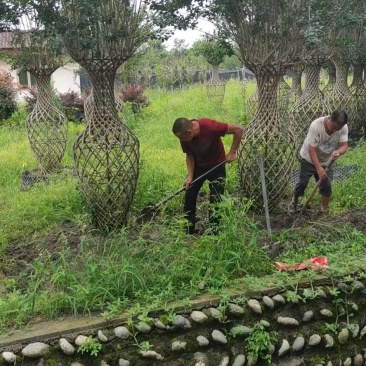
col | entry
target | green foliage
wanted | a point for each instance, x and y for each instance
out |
(213, 49)
(17, 119)
(7, 103)
(91, 346)
(7, 95)
(173, 263)
(114, 308)
(99, 29)
(144, 346)
(231, 62)
(259, 341)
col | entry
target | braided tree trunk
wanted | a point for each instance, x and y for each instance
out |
(46, 126)
(215, 87)
(296, 73)
(252, 104)
(88, 104)
(118, 101)
(283, 98)
(357, 104)
(266, 134)
(106, 153)
(310, 106)
(341, 96)
(283, 95)
(243, 84)
(357, 78)
(331, 70)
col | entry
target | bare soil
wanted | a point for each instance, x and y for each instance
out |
(20, 253)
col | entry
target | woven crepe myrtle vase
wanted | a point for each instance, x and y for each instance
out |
(296, 91)
(252, 104)
(283, 97)
(340, 98)
(215, 88)
(274, 140)
(311, 104)
(331, 70)
(106, 156)
(46, 126)
(357, 105)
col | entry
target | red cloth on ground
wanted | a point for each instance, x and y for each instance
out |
(314, 263)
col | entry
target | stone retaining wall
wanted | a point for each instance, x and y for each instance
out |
(315, 325)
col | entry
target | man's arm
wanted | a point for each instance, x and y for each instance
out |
(190, 170)
(343, 146)
(237, 131)
(314, 158)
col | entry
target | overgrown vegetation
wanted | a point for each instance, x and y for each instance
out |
(7, 95)
(155, 263)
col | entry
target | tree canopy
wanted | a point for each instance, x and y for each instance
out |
(213, 48)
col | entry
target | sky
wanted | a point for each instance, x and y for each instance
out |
(190, 36)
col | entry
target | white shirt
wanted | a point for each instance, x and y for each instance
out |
(323, 143)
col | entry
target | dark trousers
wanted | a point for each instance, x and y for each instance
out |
(306, 171)
(216, 180)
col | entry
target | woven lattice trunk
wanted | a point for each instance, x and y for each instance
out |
(310, 106)
(252, 104)
(283, 98)
(266, 134)
(357, 105)
(106, 154)
(46, 126)
(215, 88)
(341, 96)
(296, 91)
(88, 104)
(118, 100)
(357, 82)
(331, 70)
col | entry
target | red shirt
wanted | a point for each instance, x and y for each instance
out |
(207, 148)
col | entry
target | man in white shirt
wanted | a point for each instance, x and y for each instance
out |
(326, 140)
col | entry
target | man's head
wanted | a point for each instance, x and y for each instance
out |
(182, 128)
(337, 120)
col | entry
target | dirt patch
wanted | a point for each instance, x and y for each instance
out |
(19, 254)
(355, 218)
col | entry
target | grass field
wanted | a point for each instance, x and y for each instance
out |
(52, 262)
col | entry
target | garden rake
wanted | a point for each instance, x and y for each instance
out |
(151, 210)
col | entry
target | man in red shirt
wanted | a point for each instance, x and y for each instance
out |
(200, 140)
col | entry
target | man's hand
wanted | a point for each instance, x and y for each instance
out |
(335, 155)
(187, 182)
(230, 157)
(322, 174)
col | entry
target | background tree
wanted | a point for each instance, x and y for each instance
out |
(180, 48)
(214, 48)
(268, 35)
(101, 35)
(40, 52)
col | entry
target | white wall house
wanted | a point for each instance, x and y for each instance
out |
(63, 79)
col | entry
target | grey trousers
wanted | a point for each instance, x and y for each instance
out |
(306, 171)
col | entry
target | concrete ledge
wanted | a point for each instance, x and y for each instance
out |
(51, 330)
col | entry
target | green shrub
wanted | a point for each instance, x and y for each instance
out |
(17, 119)
(7, 103)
